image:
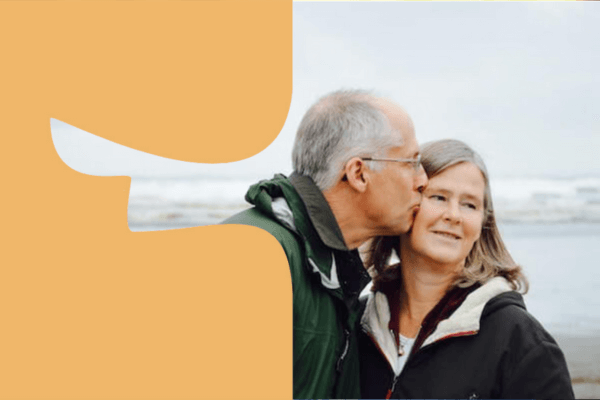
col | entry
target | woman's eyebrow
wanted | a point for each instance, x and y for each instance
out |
(438, 189)
(473, 197)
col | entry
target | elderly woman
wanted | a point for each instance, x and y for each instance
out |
(447, 321)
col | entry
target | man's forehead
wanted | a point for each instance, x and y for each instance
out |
(396, 112)
(406, 143)
(402, 124)
(405, 151)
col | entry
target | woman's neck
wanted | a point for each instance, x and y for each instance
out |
(423, 286)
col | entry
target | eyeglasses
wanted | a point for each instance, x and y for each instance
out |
(415, 162)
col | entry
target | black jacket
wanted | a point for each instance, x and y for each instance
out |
(488, 348)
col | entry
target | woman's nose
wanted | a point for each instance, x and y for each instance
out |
(452, 213)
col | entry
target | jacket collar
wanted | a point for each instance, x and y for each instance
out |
(319, 211)
(467, 317)
(463, 321)
(352, 275)
(298, 204)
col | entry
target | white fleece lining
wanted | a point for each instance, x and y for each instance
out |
(393, 258)
(375, 321)
(329, 283)
(467, 316)
(376, 318)
(283, 213)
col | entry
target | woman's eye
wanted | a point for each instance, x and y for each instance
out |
(437, 197)
(470, 205)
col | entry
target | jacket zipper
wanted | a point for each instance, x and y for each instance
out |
(408, 357)
(345, 351)
(411, 356)
(391, 390)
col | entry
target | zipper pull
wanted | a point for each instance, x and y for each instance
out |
(338, 367)
(391, 390)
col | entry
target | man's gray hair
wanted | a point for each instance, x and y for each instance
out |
(339, 126)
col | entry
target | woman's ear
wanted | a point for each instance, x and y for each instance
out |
(356, 174)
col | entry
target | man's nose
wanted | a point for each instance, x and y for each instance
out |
(420, 182)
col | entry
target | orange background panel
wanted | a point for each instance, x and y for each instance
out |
(213, 76)
(88, 309)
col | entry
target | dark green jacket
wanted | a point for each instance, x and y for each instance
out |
(326, 280)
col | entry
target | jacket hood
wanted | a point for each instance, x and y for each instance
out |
(278, 199)
(464, 321)
(466, 318)
(262, 194)
(510, 298)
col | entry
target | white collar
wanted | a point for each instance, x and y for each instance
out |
(465, 320)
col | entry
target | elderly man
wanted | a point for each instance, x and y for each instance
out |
(357, 175)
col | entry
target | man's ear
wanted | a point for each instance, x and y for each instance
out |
(356, 173)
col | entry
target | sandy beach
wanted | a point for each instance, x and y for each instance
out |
(583, 359)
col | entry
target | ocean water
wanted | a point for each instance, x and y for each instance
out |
(162, 202)
(562, 264)
(157, 203)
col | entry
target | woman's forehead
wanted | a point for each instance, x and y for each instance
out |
(459, 178)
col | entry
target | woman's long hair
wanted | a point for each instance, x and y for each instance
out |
(488, 257)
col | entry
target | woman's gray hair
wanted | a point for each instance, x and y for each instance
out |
(341, 125)
(489, 257)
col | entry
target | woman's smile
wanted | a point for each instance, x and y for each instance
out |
(448, 235)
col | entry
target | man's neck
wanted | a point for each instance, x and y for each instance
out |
(353, 226)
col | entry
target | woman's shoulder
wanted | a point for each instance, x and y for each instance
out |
(535, 365)
(507, 314)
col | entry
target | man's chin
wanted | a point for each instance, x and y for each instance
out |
(409, 225)
(400, 227)
(404, 228)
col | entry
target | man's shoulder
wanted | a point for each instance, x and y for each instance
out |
(254, 217)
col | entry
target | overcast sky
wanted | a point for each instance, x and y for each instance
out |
(517, 81)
